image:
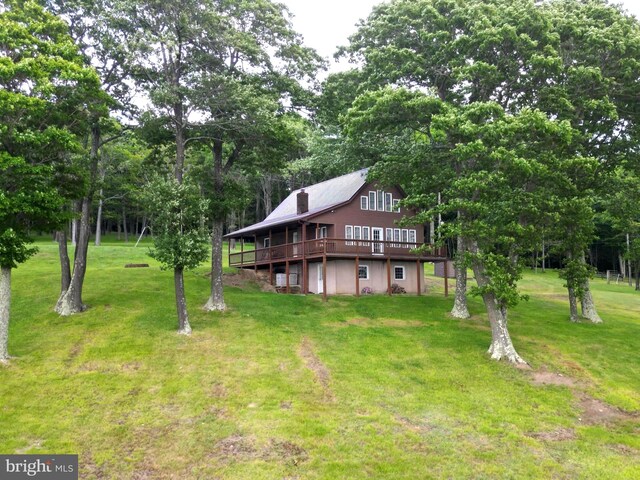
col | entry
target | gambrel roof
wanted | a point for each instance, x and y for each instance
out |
(323, 196)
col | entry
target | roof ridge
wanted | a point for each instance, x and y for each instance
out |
(330, 179)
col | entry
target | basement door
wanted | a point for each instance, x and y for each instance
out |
(320, 279)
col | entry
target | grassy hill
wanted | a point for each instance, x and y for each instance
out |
(291, 387)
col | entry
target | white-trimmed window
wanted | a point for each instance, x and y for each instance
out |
(396, 236)
(365, 233)
(388, 234)
(398, 273)
(364, 202)
(363, 272)
(412, 237)
(380, 201)
(396, 205)
(388, 202)
(357, 233)
(348, 233)
(322, 232)
(405, 237)
(372, 200)
(266, 243)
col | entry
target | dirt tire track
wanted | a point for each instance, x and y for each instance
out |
(319, 369)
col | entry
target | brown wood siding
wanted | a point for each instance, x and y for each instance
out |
(351, 214)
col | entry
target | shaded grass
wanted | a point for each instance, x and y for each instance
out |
(413, 394)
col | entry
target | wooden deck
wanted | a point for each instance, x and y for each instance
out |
(337, 248)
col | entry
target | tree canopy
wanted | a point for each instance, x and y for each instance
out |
(512, 112)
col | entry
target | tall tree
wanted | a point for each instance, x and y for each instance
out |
(47, 99)
(472, 82)
(598, 47)
(100, 45)
(176, 210)
(250, 78)
(187, 51)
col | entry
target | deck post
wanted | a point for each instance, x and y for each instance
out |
(255, 249)
(305, 272)
(305, 265)
(419, 283)
(229, 252)
(389, 275)
(286, 272)
(446, 278)
(271, 274)
(357, 276)
(242, 251)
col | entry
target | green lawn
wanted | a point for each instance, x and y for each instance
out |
(291, 387)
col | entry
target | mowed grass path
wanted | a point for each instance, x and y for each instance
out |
(291, 387)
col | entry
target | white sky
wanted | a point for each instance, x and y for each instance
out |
(327, 24)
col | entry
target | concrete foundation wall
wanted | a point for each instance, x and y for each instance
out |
(341, 276)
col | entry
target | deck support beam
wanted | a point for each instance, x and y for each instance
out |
(388, 276)
(286, 272)
(357, 276)
(305, 264)
(418, 279)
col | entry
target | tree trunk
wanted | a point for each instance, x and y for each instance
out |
(573, 305)
(65, 265)
(5, 309)
(98, 239)
(460, 309)
(216, 300)
(184, 328)
(630, 277)
(124, 224)
(178, 113)
(70, 302)
(588, 306)
(74, 231)
(501, 344)
(181, 302)
(266, 182)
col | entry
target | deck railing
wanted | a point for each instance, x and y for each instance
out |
(336, 247)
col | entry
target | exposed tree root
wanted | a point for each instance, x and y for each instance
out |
(213, 306)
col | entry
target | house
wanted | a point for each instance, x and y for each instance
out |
(338, 237)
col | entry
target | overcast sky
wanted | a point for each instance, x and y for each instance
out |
(327, 24)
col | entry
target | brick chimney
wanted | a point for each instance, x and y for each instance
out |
(303, 202)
